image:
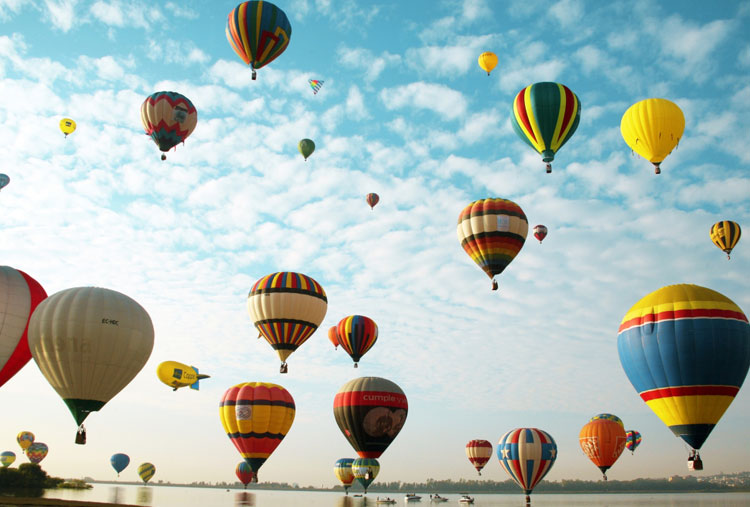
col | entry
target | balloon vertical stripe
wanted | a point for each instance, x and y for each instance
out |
(527, 455)
(357, 334)
(258, 32)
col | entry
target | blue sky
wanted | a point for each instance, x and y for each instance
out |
(406, 112)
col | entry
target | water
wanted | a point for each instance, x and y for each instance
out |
(166, 496)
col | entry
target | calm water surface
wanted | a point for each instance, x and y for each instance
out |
(165, 496)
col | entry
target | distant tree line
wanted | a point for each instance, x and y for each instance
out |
(27, 477)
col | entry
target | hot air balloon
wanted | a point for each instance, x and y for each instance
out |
(256, 417)
(37, 452)
(545, 116)
(7, 458)
(258, 32)
(244, 473)
(365, 470)
(177, 375)
(169, 118)
(372, 199)
(19, 296)
(306, 147)
(333, 336)
(488, 61)
(725, 235)
(25, 439)
(4, 180)
(492, 232)
(652, 128)
(540, 232)
(119, 462)
(686, 350)
(357, 334)
(344, 472)
(526, 455)
(370, 412)
(479, 453)
(146, 471)
(603, 440)
(315, 84)
(286, 308)
(632, 440)
(89, 343)
(67, 126)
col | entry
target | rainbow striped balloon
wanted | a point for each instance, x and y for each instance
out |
(632, 440)
(686, 350)
(527, 454)
(357, 334)
(258, 32)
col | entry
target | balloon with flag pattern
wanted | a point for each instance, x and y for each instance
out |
(527, 455)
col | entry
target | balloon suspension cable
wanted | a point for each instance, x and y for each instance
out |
(549, 168)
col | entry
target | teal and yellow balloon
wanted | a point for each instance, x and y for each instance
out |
(25, 439)
(365, 470)
(8, 457)
(146, 471)
(545, 116)
(725, 235)
(344, 473)
(686, 350)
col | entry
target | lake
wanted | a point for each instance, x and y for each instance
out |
(167, 496)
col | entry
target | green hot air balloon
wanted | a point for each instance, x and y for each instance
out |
(306, 147)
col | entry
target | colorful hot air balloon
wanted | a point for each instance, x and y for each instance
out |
(258, 32)
(169, 118)
(527, 454)
(89, 343)
(372, 199)
(545, 116)
(333, 336)
(119, 462)
(652, 128)
(365, 470)
(357, 334)
(146, 471)
(725, 235)
(306, 147)
(315, 84)
(370, 412)
(632, 440)
(286, 308)
(344, 473)
(25, 439)
(4, 180)
(244, 473)
(19, 296)
(67, 126)
(492, 232)
(488, 61)
(540, 232)
(479, 453)
(686, 350)
(37, 452)
(7, 458)
(603, 440)
(256, 417)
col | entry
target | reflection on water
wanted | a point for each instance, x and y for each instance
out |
(116, 495)
(244, 499)
(144, 495)
(345, 501)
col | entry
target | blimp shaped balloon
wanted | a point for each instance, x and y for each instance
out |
(177, 375)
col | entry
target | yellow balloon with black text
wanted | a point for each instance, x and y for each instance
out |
(177, 375)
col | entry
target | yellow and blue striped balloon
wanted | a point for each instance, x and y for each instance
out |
(146, 471)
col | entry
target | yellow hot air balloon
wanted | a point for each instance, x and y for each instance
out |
(652, 128)
(89, 343)
(488, 61)
(67, 126)
(725, 235)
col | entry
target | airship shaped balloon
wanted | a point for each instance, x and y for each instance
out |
(177, 375)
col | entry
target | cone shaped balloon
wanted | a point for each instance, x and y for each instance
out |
(365, 470)
(119, 462)
(244, 473)
(686, 350)
(479, 453)
(37, 452)
(488, 61)
(632, 440)
(19, 296)
(169, 118)
(146, 471)
(306, 147)
(89, 343)
(286, 308)
(545, 116)
(7, 458)
(344, 473)
(526, 455)
(492, 232)
(357, 334)
(25, 439)
(603, 440)
(652, 128)
(725, 235)
(370, 412)
(256, 417)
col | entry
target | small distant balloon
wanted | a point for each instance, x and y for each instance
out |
(357, 334)
(4, 180)
(7, 458)
(244, 473)
(725, 235)
(25, 439)
(37, 452)
(177, 375)
(67, 126)
(373, 199)
(540, 232)
(315, 84)
(146, 471)
(344, 473)
(333, 336)
(479, 453)
(306, 147)
(119, 462)
(488, 61)
(365, 470)
(632, 440)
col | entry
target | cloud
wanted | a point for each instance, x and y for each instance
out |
(10, 7)
(61, 13)
(457, 58)
(446, 102)
(567, 12)
(175, 51)
(365, 59)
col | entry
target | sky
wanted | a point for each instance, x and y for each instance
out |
(404, 111)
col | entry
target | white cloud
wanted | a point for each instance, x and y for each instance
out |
(355, 104)
(448, 103)
(61, 13)
(109, 13)
(175, 51)
(10, 7)
(364, 59)
(567, 12)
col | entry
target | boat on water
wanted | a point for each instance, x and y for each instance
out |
(437, 498)
(386, 500)
(466, 499)
(412, 497)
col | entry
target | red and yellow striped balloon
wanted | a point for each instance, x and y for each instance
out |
(479, 453)
(357, 334)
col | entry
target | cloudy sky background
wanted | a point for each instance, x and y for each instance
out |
(405, 112)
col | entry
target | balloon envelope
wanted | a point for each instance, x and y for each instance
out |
(25, 439)
(244, 472)
(146, 471)
(603, 440)
(540, 232)
(652, 128)
(89, 343)
(479, 453)
(357, 334)
(526, 455)
(686, 350)
(37, 452)
(169, 118)
(7, 458)
(258, 32)
(177, 375)
(365, 470)
(725, 235)
(4, 180)
(370, 412)
(333, 336)
(488, 61)
(67, 126)
(306, 147)
(373, 199)
(119, 462)
(632, 440)
(343, 471)
(256, 417)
